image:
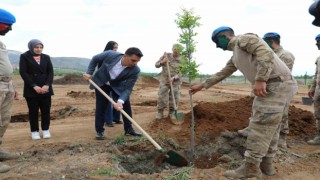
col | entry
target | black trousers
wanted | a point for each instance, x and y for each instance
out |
(34, 104)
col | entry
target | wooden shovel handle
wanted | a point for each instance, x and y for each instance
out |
(171, 87)
(130, 119)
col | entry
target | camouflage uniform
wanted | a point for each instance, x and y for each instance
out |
(6, 90)
(164, 93)
(253, 57)
(315, 88)
(288, 58)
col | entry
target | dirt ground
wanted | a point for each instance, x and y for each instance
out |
(73, 153)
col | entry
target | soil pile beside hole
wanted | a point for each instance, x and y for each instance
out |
(149, 81)
(71, 79)
(211, 119)
(81, 94)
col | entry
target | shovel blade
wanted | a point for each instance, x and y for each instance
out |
(176, 159)
(177, 117)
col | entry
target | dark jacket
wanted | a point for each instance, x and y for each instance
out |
(34, 74)
(123, 84)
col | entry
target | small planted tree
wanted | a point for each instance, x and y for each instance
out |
(187, 22)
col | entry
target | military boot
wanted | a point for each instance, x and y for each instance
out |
(171, 113)
(246, 170)
(267, 167)
(315, 140)
(282, 144)
(160, 114)
(4, 168)
(4, 155)
(244, 132)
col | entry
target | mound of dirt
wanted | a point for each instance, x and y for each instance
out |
(149, 81)
(71, 79)
(81, 94)
(211, 119)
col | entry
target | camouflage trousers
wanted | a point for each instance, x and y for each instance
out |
(316, 106)
(264, 125)
(165, 96)
(6, 100)
(284, 127)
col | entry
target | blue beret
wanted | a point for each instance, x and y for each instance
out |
(219, 30)
(271, 34)
(318, 37)
(6, 17)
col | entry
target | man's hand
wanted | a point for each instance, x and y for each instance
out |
(195, 88)
(118, 106)
(260, 88)
(87, 76)
(311, 94)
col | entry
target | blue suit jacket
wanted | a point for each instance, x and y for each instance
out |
(124, 82)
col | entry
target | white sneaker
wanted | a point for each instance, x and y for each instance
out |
(46, 134)
(35, 135)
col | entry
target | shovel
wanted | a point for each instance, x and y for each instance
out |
(172, 157)
(176, 117)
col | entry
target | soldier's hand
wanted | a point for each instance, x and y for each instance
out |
(195, 88)
(164, 59)
(259, 88)
(86, 76)
(171, 80)
(16, 95)
(311, 94)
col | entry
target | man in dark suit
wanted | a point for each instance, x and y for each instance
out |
(117, 74)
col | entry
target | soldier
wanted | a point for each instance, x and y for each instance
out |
(164, 93)
(273, 40)
(273, 86)
(314, 93)
(7, 93)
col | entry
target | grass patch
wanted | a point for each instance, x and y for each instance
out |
(180, 174)
(140, 139)
(22, 159)
(121, 139)
(314, 155)
(115, 158)
(108, 171)
(232, 165)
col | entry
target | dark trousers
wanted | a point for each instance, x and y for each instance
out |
(115, 116)
(34, 104)
(103, 109)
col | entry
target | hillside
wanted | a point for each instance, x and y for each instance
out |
(75, 63)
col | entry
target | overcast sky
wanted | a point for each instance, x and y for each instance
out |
(81, 28)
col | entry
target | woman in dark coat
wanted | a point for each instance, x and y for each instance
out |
(36, 71)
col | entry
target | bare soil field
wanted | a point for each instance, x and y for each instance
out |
(73, 152)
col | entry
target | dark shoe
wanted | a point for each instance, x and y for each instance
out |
(100, 136)
(109, 124)
(131, 132)
(118, 122)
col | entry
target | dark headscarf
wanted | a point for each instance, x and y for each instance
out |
(110, 45)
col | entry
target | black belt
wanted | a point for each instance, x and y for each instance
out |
(279, 79)
(5, 79)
